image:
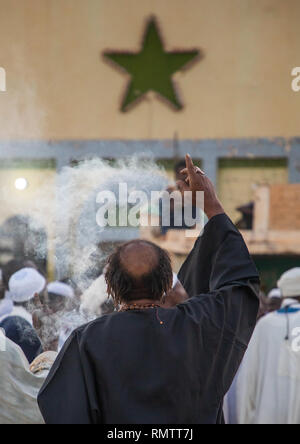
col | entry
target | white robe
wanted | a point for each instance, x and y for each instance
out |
(6, 305)
(18, 386)
(268, 384)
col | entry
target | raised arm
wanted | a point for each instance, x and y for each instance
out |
(223, 284)
(220, 256)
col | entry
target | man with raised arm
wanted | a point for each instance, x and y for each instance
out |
(147, 364)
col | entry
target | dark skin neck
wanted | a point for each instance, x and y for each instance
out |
(175, 296)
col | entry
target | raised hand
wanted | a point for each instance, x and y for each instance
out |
(196, 180)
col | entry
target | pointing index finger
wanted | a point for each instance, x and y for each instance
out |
(190, 166)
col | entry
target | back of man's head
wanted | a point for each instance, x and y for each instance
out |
(138, 270)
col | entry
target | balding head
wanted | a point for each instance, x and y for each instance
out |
(139, 258)
(138, 270)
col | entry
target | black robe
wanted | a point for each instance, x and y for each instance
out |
(127, 368)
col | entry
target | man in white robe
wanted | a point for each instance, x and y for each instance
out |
(268, 384)
(18, 385)
(24, 286)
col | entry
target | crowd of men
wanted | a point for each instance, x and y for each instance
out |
(157, 347)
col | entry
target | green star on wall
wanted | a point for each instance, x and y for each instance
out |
(152, 68)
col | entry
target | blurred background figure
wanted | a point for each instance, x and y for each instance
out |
(270, 302)
(25, 287)
(6, 304)
(267, 304)
(268, 384)
(60, 297)
(246, 221)
(19, 385)
(274, 299)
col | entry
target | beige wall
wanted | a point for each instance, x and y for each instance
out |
(236, 186)
(28, 199)
(60, 88)
(37, 201)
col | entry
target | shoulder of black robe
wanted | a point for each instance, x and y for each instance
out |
(127, 368)
(19, 331)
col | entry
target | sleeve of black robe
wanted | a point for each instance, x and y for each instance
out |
(223, 283)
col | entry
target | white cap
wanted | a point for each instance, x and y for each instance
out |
(61, 289)
(289, 283)
(275, 293)
(24, 284)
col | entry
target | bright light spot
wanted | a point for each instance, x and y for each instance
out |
(21, 184)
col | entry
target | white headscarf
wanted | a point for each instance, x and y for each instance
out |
(61, 289)
(24, 284)
(289, 283)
